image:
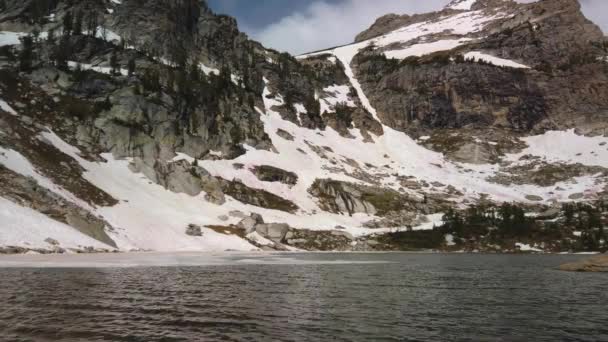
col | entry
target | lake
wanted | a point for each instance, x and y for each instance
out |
(300, 297)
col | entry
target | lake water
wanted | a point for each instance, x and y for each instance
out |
(300, 297)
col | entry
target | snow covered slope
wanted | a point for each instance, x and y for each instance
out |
(363, 167)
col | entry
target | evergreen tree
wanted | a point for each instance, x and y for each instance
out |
(251, 101)
(68, 23)
(50, 38)
(36, 35)
(114, 65)
(77, 28)
(151, 80)
(26, 57)
(62, 53)
(131, 66)
(92, 23)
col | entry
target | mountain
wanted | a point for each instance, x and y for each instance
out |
(157, 125)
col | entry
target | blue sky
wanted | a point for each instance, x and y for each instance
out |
(300, 26)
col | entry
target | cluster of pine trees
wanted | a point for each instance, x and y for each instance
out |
(57, 48)
(510, 221)
(588, 220)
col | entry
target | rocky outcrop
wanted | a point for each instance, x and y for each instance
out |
(311, 240)
(544, 174)
(338, 197)
(194, 230)
(257, 197)
(595, 264)
(254, 223)
(268, 173)
(27, 192)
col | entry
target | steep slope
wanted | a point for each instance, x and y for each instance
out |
(157, 125)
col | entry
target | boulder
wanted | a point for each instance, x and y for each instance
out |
(534, 198)
(273, 231)
(51, 241)
(248, 224)
(576, 196)
(194, 230)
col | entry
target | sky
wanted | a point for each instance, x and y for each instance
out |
(299, 26)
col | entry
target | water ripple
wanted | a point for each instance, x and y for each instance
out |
(310, 298)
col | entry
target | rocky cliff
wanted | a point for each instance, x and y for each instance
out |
(158, 125)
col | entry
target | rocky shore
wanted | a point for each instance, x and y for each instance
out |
(595, 264)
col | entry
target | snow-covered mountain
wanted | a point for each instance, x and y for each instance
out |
(159, 126)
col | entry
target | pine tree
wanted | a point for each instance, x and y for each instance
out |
(68, 23)
(61, 53)
(78, 23)
(26, 57)
(131, 66)
(115, 67)
(50, 38)
(92, 23)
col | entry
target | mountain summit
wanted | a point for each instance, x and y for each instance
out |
(158, 125)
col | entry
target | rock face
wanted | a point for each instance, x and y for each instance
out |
(595, 264)
(257, 197)
(440, 91)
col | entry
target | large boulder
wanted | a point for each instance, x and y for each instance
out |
(248, 224)
(194, 230)
(273, 231)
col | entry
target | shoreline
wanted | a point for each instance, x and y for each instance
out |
(193, 258)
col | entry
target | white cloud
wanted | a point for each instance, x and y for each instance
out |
(322, 24)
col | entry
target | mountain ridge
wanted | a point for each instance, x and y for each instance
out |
(151, 133)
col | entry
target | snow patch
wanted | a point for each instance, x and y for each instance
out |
(449, 240)
(426, 48)
(10, 38)
(260, 240)
(26, 227)
(480, 56)
(17, 163)
(338, 94)
(7, 108)
(527, 248)
(100, 69)
(463, 5)
(566, 147)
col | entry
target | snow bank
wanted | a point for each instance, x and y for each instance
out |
(100, 69)
(566, 147)
(426, 48)
(337, 94)
(17, 163)
(480, 56)
(26, 227)
(464, 5)
(10, 38)
(5, 107)
(527, 248)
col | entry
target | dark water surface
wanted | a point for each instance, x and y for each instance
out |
(310, 297)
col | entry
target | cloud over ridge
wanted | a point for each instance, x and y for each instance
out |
(325, 24)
